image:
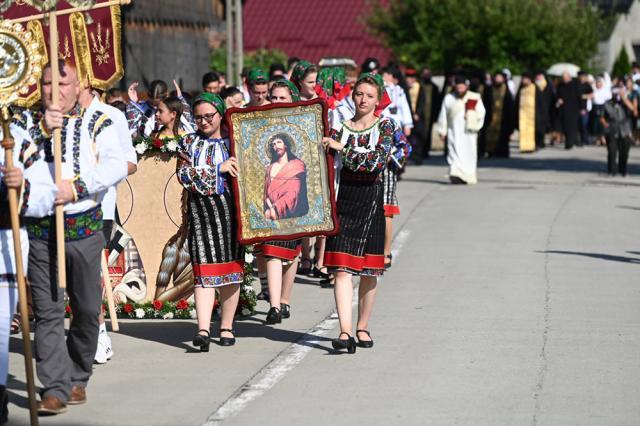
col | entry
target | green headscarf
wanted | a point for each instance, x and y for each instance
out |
(295, 93)
(257, 75)
(376, 77)
(299, 71)
(214, 100)
(328, 77)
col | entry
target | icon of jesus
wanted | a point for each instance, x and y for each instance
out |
(285, 181)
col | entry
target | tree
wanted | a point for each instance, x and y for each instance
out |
(261, 58)
(622, 65)
(487, 34)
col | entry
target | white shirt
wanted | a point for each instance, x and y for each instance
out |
(92, 158)
(126, 145)
(398, 109)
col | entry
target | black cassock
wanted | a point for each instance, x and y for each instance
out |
(500, 121)
(427, 109)
(569, 110)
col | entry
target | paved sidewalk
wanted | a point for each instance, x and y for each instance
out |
(511, 302)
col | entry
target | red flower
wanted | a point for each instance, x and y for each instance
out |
(67, 309)
(182, 304)
(157, 305)
(71, 221)
(157, 143)
(128, 308)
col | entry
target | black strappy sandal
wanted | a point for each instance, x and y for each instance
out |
(202, 341)
(364, 343)
(348, 344)
(227, 341)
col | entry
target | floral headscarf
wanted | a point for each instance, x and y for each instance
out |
(299, 71)
(214, 100)
(331, 85)
(257, 75)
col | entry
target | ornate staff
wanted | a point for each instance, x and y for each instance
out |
(20, 67)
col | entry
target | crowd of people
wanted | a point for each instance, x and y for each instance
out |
(379, 119)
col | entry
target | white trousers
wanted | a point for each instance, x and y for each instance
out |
(8, 293)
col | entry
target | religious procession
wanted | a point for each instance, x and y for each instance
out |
(201, 192)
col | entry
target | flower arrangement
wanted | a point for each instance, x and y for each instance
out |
(181, 309)
(149, 145)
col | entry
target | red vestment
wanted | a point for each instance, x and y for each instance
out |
(287, 191)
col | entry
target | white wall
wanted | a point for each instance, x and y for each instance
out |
(627, 33)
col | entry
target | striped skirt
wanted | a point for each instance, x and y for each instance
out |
(216, 256)
(390, 182)
(359, 247)
(287, 251)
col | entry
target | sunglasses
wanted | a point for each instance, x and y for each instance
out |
(207, 117)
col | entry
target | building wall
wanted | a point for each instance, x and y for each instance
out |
(625, 33)
(165, 40)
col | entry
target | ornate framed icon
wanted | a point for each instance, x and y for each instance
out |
(284, 188)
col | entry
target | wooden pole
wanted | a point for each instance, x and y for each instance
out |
(57, 146)
(7, 144)
(109, 293)
(70, 11)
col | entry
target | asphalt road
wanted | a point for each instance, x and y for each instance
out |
(511, 302)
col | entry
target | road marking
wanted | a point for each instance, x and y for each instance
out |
(287, 360)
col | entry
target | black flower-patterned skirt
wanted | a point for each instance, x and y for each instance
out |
(216, 256)
(359, 247)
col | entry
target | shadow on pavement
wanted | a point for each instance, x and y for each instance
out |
(175, 333)
(579, 165)
(629, 208)
(595, 255)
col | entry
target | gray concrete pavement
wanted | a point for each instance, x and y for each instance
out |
(512, 302)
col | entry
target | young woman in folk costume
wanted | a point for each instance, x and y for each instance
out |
(304, 76)
(216, 256)
(331, 87)
(364, 143)
(281, 256)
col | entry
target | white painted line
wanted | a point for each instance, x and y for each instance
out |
(287, 360)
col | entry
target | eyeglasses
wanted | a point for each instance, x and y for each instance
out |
(208, 117)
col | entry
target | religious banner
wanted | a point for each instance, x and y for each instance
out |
(90, 39)
(284, 188)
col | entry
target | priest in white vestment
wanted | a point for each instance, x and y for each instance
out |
(460, 120)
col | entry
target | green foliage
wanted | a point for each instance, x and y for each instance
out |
(622, 65)
(262, 58)
(487, 34)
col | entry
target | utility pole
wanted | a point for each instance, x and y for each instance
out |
(235, 58)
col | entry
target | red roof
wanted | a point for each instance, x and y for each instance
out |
(311, 30)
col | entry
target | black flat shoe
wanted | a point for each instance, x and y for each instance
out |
(202, 341)
(285, 310)
(364, 343)
(328, 282)
(227, 341)
(317, 273)
(273, 316)
(348, 344)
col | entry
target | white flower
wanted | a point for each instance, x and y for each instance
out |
(139, 313)
(192, 314)
(248, 257)
(168, 315)
(248, 289)
(172, 146)
(141, 148)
